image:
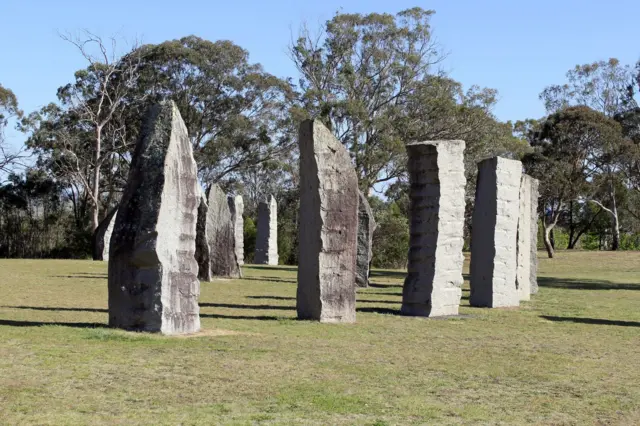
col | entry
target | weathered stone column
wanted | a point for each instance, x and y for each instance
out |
(494, 234)
(433, 286)
(267, 233)
(215, 241)
(523, 274)
(328, 228)
(236, 205)
(366, 227)
(102, 236)
(153, 283)
(533, 270)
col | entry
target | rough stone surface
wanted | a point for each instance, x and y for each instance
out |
(433, 286)
(328, 228)
(215, 240)
(153, 283)
(267, 233)
(366, 227)
(494, 234)
(533, 270)
(102, 236)
(236, 205)
(523, 274)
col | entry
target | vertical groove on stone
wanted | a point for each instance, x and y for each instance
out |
(267, 233)
(535, 194)
(102, 236)
(366, 227)
(433, 286)
(494, 234)
(236, 205)
(328, 227)
(523, 276)
(153, 284)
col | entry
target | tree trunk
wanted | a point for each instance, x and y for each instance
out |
(552, 239)
(615, 223)
(95, 219)
(547, 241)
(571, 244)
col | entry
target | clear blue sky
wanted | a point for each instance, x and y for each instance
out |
(517, 47)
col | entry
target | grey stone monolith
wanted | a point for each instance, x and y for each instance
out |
(153, 282)
(366, 227)
(533, 270)
(267, 233)
(236, 205)
(523, 274)
(433, 286)
(494, 234)
(328, 228)
(102, 236)
(216, 241)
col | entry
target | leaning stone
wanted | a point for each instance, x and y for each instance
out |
(494, 234)
(366, 226)
(215, 246)
(267, 233)
(102, 236)
(535, 194)
(523, 274)
(153, 283)
(433, 286)
(328, 228)
(236, 206)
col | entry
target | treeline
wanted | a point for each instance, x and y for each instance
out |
(372, 79)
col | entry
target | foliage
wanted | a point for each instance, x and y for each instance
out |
(391, 237)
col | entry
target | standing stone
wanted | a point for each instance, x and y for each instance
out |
(237, 209)
(523, 274)
(433, 286)
(535, 194)
(494, 234)
(215, 240)
(267, 233)
(328, 228)
(366, 226)
(102, 236)
(153, 283)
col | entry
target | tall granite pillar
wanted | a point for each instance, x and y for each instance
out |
(328, 228)
(102, 236)
(523, 274)
(267, 233)
(366, 227)
(533, 270)
(433, 286)
(153, 283)
(216, 241)
(236, 206)
(494, 234)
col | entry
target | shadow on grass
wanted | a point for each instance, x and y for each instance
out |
(82, 276)
(595, 321)
(584, 284)
(257, 307)
(397, 274)
(270, 268)
(385, 311)
(11, 323)
(272, 297)
(376, 285)
(399, 294)
(49, 308)
(269, 279)
(246, 317)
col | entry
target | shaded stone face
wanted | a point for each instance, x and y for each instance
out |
(523, 275)
(494, 234)
(328, 228)
(102, 236)
(366, 226)
(533, 270)
(153, 284)
(433, 286)
(215, 246)
(236, 205)
(267, 233)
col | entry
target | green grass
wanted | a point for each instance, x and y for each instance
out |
(570, 356)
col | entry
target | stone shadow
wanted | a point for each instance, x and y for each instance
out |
(269, 279)
(595, 321)
(11, 323)
(395, 274)
(257, 307)
(272, 297)
(584, 284)
(246, 317)
(81, 276)
(49, 308)
(270, 268)
(376, 285)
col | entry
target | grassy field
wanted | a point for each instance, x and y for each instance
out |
(569, 357)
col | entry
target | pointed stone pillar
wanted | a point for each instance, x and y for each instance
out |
(366, 227)
(153, 283)
(433, 286)
(267, 233)
(328, 228)
(494, 234)
(533, 270)
(236, 205)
